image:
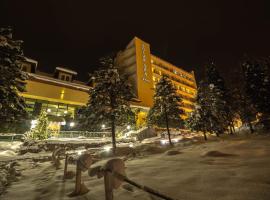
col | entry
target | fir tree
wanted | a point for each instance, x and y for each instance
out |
(108, 100)
(245, 109)
(199, 119)
(205, 117)
(220, 97)
(12, 81)
(41, 130)
(166, 110)
(257, 86)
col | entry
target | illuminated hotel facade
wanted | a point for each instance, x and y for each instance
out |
(60, 94)
(144, 70)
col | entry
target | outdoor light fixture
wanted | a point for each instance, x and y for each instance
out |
(49, 110)
(33, 123)
(131, 145)
(72, 124)
(103, 126)
(65, 112)
(79, 152)
(175, 140)
(128, 127)
(163, 142)
(107, 148)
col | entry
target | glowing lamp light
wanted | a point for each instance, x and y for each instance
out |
(58, 114)
(131, 145)
(79, 152)
(63, 123)
(128, 127)
(163, 142)
(107, 148)
(33, 123)
(65, 112)
(175, 140)
(103, 126)
(72, 124)
(49, 110)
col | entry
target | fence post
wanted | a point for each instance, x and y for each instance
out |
(83, 163)
(65, 168)
(108, 186)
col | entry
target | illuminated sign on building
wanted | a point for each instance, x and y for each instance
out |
(145, 75)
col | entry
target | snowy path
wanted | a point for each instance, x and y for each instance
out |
(245, 175)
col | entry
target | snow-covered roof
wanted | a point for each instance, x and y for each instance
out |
(31, 60)
(66, 70)
(58, 81)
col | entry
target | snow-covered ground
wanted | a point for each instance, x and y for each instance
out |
(8, 149)
(224, 169)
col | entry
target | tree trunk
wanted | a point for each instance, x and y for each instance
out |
(231, 131)
(204, 134)
(168, 130)
(250, 127)
(113, 135)
(233, 128)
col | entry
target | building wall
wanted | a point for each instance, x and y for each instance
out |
(144, 71)
(183, 81)
(55, 93)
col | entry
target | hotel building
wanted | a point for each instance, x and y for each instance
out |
(60, 94)
(144, 70)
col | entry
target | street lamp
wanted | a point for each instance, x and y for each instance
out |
(72, 124)
(33, 123)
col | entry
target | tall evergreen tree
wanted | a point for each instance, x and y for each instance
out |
(257, 86)
(245, 109)
(205, 117)
(166, 110)
(220, 95)
(12, 80)
(108, 100)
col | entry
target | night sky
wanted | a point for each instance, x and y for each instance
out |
(76, 33)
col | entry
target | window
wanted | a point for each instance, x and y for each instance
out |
(67, 78)
(63, 77)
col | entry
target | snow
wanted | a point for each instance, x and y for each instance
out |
(8, 149)
(224, 169)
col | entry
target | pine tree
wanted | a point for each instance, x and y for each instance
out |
(41, 130)
(108, 100)
(166, 110)
(245, 109)
(12, 81)
(220, 97)
(199, 119)
(257, 86)
(205, 117)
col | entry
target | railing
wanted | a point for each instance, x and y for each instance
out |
(113, 172)
(10, 137)
(87, 134)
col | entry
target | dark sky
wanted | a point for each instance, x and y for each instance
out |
(75, 33)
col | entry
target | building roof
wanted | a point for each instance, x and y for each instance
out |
(66, 70)
(48, 79)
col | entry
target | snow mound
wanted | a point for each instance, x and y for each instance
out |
(149, 149)
(218, 154)
(172, 152)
